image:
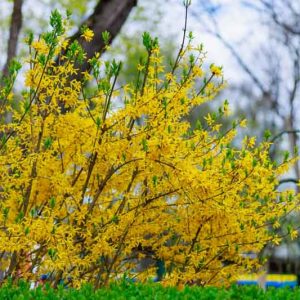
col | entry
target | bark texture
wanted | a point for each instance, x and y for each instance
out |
(108, 15)
(14, 32)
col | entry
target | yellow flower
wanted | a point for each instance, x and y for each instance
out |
(140, 67)
(276, 240)
(294, 234)
(169, 76)
(243, 123)
(251, 142)
(276, 224)
(217, 71)
(40, 46)
(65, 44)
(198, 71)
(88, 34)
(30, 78)
(87, 76)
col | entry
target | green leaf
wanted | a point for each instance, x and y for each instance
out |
(19, 217)
(56, 22)
(145, 145)
(106, 37)
(14, 67)
(48, 143)
(155, 180)
(115, 219)
(123, 156)
(52, 253)
(286, 156)
(5, 212)
(267, 134)
(98, 122)
(27, 230)
(147, 40)
(29, 39)
(52, 202)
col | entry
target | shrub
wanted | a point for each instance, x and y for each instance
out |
(146, 291)
(95, 176)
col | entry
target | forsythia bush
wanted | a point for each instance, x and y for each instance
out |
(96, 176)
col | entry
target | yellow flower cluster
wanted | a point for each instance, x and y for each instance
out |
(40, 46)
(88, 34)
(88, 189)
(217, 71)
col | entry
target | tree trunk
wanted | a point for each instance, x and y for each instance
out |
(108, 15)
(14, 31)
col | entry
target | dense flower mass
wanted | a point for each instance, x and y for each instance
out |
(95, 177)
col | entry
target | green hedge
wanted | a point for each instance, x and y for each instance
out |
(148, 291)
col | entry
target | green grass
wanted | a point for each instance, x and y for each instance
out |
(130, 291)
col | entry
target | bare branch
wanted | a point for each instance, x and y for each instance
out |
(277, 136)
(290, 28)
(289, 180)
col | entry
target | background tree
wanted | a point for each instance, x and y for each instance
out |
(270, 95)
(15, 27)
(108, 15)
